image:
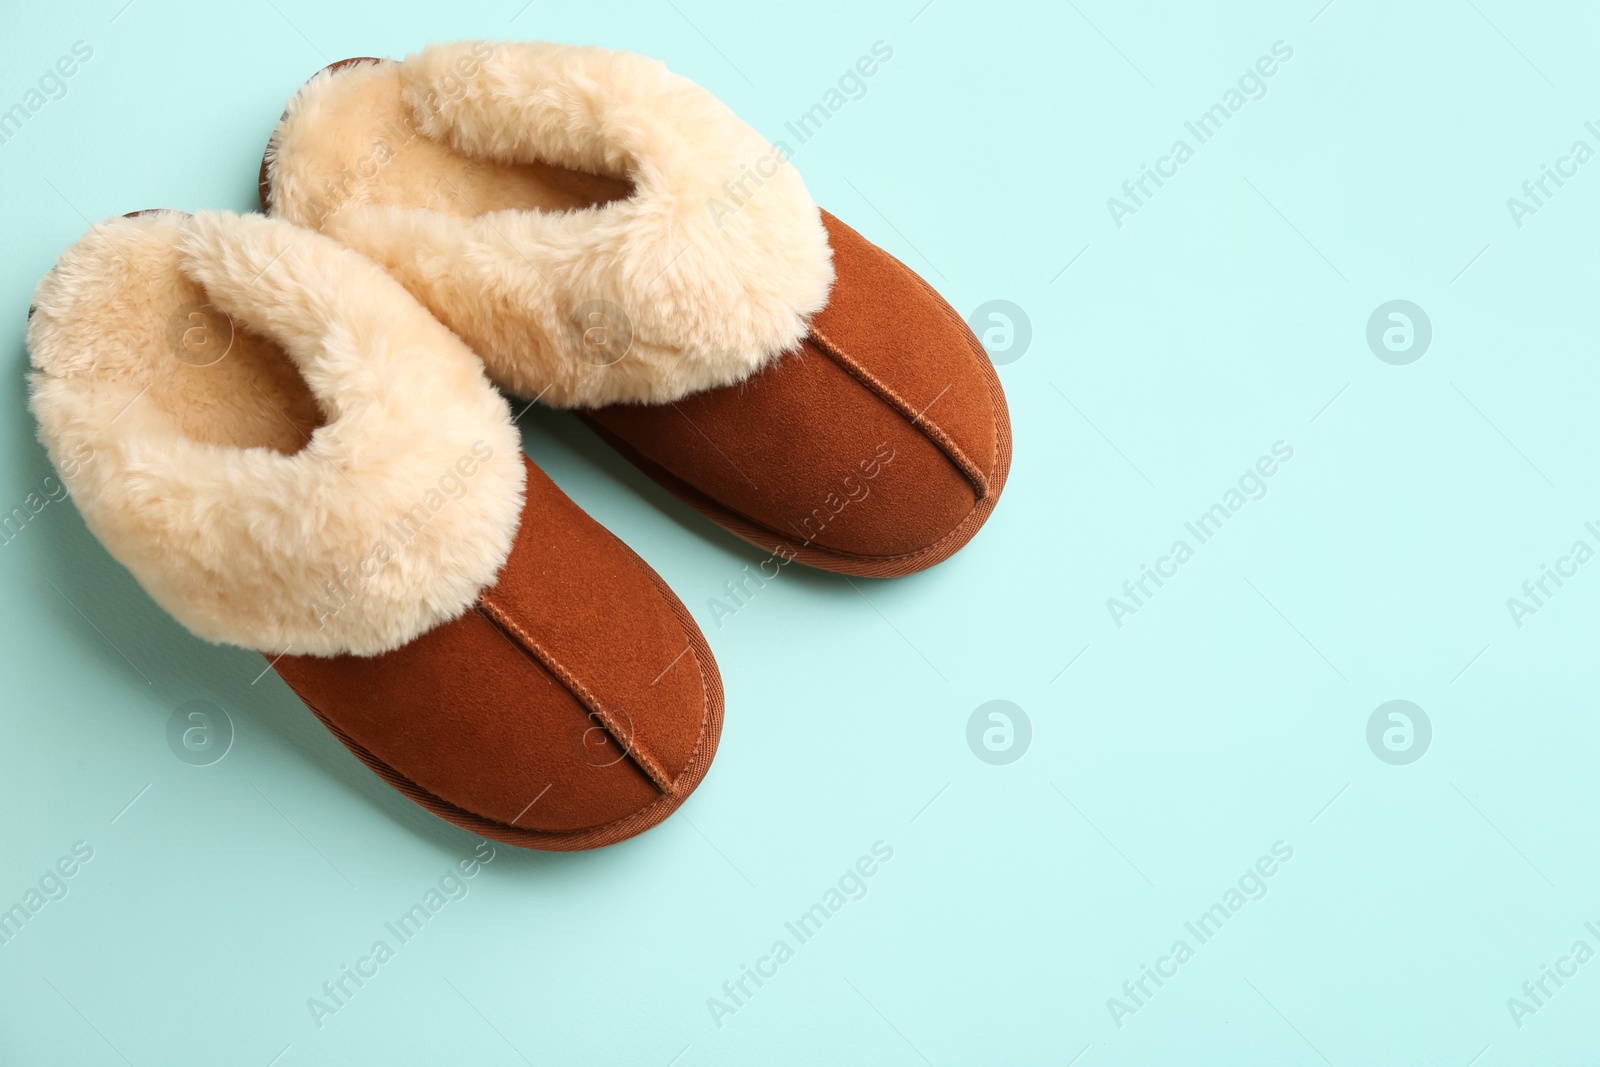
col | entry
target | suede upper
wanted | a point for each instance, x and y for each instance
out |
(877, 449)
(577, 705)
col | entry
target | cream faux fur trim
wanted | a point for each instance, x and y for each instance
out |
(200, 478)
(715, 261)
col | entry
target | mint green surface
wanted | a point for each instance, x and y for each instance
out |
(1223, 721)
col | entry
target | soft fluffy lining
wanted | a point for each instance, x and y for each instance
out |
(286, 450)
(596, 227)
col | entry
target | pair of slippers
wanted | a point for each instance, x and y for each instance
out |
(287, 426)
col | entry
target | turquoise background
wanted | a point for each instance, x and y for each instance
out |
(1228, 714)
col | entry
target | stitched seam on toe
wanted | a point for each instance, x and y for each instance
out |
(918, 420)
(632, 747)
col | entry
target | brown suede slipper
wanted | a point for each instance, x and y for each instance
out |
(610, 237)
(291, 455)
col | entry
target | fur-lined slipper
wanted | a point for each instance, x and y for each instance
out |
(609, 236)
(291, 455)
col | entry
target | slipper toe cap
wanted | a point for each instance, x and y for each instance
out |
(878, 449)
(575, 706)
